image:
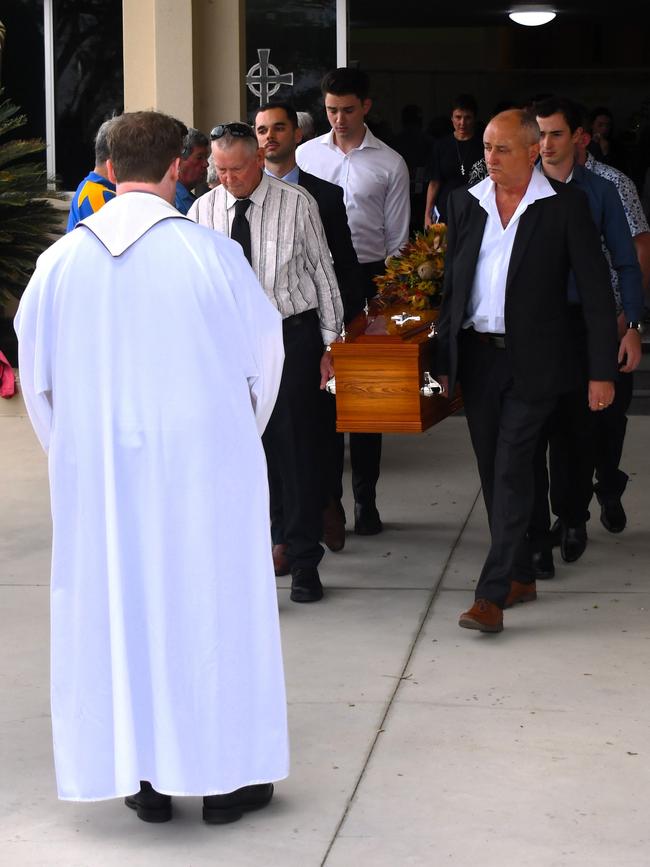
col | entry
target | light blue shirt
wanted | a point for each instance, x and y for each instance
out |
(290, 177)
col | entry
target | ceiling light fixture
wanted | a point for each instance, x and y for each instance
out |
(532, 16)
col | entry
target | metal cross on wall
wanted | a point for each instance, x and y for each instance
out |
(262, 84)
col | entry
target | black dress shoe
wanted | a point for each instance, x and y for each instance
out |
(543, 566)
(574, 542)
(149, 804)
(221, 809)
(366, 519)
(305, 585)
(612, 516)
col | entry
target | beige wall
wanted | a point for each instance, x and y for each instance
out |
(219, 61)
(185, 57)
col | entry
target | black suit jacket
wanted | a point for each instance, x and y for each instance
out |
(329, 198)
(554, 236)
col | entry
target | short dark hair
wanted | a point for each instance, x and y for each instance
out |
(142, 145)
(344, 80)
(287, 108)
(596, 112)
(194, 138)
(102, 152)
(569, 109)
(466, 102)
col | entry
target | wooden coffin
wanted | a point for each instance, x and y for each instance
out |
(379, 370)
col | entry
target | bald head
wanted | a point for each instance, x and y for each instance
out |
(511, 144)
(522, 120)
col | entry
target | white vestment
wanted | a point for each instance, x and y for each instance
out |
(150, 360)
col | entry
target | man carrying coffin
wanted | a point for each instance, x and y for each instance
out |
(505, 332)
(282, 235)
(150, 361)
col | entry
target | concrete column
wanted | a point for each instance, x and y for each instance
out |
(219, 61)
(158, 57)
(186, 57)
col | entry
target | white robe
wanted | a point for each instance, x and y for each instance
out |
(150, 360)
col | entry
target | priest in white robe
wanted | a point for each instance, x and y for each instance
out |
(150, 360)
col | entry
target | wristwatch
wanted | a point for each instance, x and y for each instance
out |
(637, 326)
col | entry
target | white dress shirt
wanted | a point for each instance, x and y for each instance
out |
(375, 182)
(289, 252)
(485, 308)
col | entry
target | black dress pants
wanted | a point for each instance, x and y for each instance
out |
(504, 430)
(569, 436)
(365, 448)
(292, 442)
(365, 458)
(609, 430)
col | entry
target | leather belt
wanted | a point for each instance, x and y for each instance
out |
(299, 318)
(496, 340)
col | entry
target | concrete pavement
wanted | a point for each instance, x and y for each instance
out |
(413, 742)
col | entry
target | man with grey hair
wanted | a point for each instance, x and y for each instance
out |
(95, 189)
(192, 169)
(280, 230)
(306, 124)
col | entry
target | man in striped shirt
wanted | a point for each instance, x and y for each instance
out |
(282, 236)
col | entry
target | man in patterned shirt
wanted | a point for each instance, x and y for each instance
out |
(610, 425)
(95, 189)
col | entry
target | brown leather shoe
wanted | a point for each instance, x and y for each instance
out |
(280, 560)
(483, 615)
(334, 525)
(521, 593)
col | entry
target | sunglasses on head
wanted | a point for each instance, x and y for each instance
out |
(236, 129)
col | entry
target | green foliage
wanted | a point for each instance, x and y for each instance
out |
(28, 222)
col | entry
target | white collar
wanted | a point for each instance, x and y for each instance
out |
(538, 188)
(369, 141)
(126, 218)
(257, 196)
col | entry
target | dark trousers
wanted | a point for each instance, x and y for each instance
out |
(609, 435)
(292, 442)
(365, 448)
(579, 441)
(569, 438)
(571, 457)
(365, 458)
(504, 430)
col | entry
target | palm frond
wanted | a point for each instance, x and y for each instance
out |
(28, 222)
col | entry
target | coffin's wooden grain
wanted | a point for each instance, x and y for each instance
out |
(379, 371)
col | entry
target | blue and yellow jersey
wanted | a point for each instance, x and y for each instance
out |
(92, 193)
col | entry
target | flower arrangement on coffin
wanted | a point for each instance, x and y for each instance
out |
(414, 277)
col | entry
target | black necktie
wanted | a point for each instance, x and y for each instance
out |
(241, 230)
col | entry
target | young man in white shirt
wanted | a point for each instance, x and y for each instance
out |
(375, 182)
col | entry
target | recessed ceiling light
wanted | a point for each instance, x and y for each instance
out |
(532, 16)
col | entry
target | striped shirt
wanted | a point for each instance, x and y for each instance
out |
(289, 252)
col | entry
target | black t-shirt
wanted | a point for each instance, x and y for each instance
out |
(450, 164)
